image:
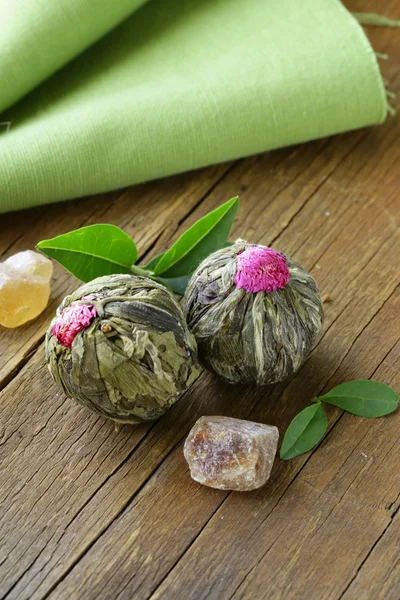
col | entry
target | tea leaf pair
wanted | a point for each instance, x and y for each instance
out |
(361, 397)
(105, 249)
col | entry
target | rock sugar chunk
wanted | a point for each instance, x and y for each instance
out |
(24, 287)
(231, 454)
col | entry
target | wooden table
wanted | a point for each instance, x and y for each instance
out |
(88, 512)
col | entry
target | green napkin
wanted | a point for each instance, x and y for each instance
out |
(38, 37)
(179, 85)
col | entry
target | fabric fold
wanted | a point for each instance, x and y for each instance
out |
(37, 37)
(184, 84)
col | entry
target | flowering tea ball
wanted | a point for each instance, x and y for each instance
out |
(120, 346)
(255, 313)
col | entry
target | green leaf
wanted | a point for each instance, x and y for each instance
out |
(92, 251)
(306, 430)
(151, 265)
(364, 398)
(206, 236)
(177, 284)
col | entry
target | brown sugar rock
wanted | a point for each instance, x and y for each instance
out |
(231, 454)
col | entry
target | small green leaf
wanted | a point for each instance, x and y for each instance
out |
(364, 398)
(151, 265)
(92, 251)
(206, 236)
(306, 430)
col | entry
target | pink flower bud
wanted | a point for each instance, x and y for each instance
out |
(261, 269)
(72, 320)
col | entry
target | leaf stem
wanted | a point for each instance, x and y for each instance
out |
(135, 270)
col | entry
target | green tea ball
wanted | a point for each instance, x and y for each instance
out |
(255, 313)
(120, 346)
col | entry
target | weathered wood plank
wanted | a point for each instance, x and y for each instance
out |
(47, 554)
(220, 560)
(297, 529)
(379, 575)
(12, 426)
(372, 345)
(348, 325)
(311, 566)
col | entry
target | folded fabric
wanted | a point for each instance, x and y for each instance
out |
(179, 85)
(37, 37)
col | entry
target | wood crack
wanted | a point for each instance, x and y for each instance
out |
(21, 364)
(395, 513)
(105, 529)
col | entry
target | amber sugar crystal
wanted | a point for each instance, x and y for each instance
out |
(24, 287)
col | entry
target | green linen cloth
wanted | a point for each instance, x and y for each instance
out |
(178, 85)
(37, 37)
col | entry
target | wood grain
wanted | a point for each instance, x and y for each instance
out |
(119, 497)
(348, 324)
(87, 512)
